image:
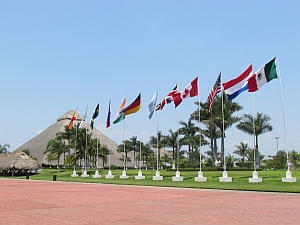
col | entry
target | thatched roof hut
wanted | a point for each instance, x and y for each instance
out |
(18, 161)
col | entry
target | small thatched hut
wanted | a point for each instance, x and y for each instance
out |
(17, 163)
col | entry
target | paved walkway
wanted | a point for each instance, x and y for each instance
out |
(47, 202)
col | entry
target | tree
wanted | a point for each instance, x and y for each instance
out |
(128, 148)
(230, 160)
(294, 158)
(214, 120)
(172, 141)
(189, 131)
(70, 137)
(166, 159)
(103, 153)
(161, 140)
(55, 148)
(229, 108)
(134, 145)
(242, 149)
(147, 156)
(82, 142)
(28, 152)
(278, 161)
(211, 132)
(260, 126)
(3, 148)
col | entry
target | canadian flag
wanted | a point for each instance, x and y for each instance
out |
(191, 90)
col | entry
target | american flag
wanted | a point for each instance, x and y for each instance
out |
(214, 91)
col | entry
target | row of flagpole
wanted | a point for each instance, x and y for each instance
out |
(246, 81)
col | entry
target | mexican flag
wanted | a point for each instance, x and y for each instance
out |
(262, 76)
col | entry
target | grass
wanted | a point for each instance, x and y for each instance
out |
(240, 179)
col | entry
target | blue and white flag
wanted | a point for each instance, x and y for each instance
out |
(152, 105)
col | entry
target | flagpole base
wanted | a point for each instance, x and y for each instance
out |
(200, 177)
(225, 177)
(97, 175)
(84, 174)
(74, 174)
(255, 178)
(157, 176)
(177, 177)
(124, 176)
(140, 176)
(109, 175)
(289, 177)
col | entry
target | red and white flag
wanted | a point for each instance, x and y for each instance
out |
(168, 99)
(191, 90)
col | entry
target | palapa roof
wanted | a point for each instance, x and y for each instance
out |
(38, 144)
(17, 160)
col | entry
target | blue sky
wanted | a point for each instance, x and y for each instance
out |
(60, 55)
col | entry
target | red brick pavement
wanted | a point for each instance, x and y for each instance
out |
(47, 202)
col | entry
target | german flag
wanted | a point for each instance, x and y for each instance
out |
(133, 107)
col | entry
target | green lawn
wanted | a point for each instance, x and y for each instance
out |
(271, 179)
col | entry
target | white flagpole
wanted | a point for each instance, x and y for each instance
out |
(255, 173)
(85, 172)
(157, 174)
(199, 121)
(85, 150)
(97, 158)
(124, 176)
(74, 171)
(109, 174)
(254, 131)
(140, 174)
(140, 136)
(224, 163)
(177, 174)
(124, 147)
(109, 136)
(225, 177)
(157, 130)
(200, 177)
(177, 137)
(288, 177)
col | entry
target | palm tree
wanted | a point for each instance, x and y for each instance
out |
(242, 149)
(211, 132)
(229, 108)
(69, 136)
(294, 158)
(103, 153)
(171, 141)
(83, 140)
(160, 139)
(189, 131)
(128, 148)
(147, 155)
(260, 126)
(166, 159)
(134, 145)
(214, 121)
(3, 148)
(55, 148)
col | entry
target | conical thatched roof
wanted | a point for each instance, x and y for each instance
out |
(38, 144)
(17, 160)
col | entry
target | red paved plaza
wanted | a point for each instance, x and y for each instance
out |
(47, 202)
